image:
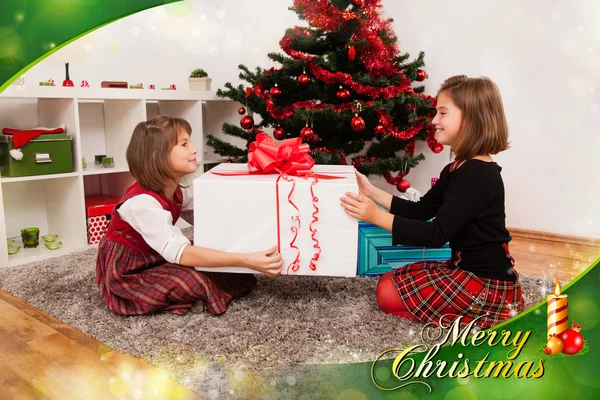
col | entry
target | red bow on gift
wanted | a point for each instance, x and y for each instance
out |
(290, 157)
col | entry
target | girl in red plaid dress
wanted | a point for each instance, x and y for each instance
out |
(145, 264)
(465, 207)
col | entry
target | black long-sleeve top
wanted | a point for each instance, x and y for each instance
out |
(468, 206)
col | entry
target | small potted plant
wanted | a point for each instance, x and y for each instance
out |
(199, 80)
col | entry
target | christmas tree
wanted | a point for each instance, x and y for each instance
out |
(343, 87)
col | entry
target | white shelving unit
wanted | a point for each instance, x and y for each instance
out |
(100, 121)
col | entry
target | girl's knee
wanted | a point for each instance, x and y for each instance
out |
(387, 276)
(388, 297)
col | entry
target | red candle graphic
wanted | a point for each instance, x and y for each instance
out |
(558, 312)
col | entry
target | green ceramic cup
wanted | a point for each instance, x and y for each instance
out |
(108, 162)
(30, 237)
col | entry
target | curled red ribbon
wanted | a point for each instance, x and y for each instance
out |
(313, 231)
(294, 265)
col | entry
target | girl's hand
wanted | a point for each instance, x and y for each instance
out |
(364, 186)
(268, 262)
(361, 207)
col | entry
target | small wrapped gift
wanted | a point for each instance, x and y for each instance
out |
(279, 198)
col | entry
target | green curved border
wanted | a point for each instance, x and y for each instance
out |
(45, 55)
(97, 15)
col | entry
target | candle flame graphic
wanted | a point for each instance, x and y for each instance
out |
(557, 287)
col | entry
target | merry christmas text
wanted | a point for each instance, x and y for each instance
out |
(406, 369)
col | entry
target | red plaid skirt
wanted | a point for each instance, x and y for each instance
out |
(134, 283)
(431, 290)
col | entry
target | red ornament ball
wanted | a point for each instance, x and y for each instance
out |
(343, 94)
(279, 133)
(275, 91)
(247, 122)
(572, 341)
(379, 130)
(403, 185)
(421, 75)
(357, 124)
(351, 53)
(314, 139)
(306, 133)
(547, 351)
(304, 79)
(241, 111)
(358, 3)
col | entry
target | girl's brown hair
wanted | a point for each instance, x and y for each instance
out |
(484, 129)
(149, 150)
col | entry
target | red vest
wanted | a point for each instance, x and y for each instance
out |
(120, 231)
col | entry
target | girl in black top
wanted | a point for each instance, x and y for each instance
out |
(467, 207)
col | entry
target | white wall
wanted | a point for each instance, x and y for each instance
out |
(543, 54)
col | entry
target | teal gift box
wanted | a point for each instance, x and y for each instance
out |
(377, 255)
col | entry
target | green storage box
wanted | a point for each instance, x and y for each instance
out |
(46, 154)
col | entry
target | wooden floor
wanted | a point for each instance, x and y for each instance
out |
(42, 358)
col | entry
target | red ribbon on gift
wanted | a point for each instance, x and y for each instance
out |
(290, 157)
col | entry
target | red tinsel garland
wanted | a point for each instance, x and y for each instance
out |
(410, 148)
(346, 79)
(376, 56)
(386, 120)
(431, 141)
(393, 180)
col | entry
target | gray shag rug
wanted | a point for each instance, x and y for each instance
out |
(284, 322)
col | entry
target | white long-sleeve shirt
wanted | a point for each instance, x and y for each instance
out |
(155, 224)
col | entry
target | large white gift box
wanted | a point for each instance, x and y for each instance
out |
(249, 212)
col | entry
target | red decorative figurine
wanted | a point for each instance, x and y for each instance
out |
(67, 82)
